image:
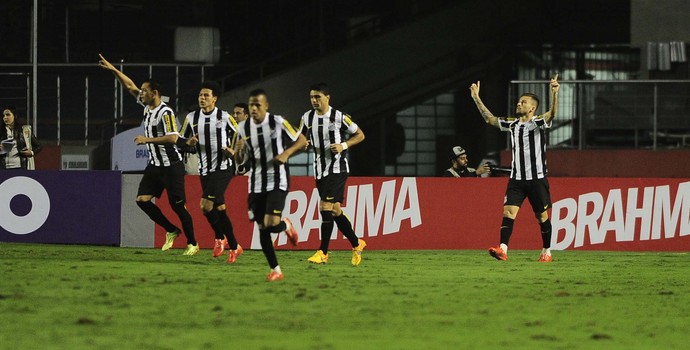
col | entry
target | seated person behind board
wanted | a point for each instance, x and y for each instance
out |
(458, 159)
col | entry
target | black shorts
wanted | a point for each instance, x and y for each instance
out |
(536, 191)
(332, 187)
(159, 178)
(214, 185)
(268, 203)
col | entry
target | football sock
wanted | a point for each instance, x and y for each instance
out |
(504, 247)
(277, 269)
(546, 233)
(267, 247)
(185, 218)
(326, 230)
(345, 226)
(506, 230)
(156, 215)
(227, 228)
(282, 226)
(213, 220)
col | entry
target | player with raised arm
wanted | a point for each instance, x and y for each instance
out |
(165, 169)
(528, 173)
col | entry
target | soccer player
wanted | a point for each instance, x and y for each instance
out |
(331, 133)
(240, 112)
(165, 169)
(211, 132)
(528, 173)
(266, 142)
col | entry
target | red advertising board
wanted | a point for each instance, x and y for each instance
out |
(446, 213)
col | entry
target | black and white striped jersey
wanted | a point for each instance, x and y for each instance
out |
(159, 122)
(215, 131)
(263, 142)
(323, 130)
(528, 141)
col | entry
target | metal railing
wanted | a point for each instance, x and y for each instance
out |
(640, 114)
(83, 104)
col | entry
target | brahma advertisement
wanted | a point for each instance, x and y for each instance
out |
(640, 214)
(632, 214)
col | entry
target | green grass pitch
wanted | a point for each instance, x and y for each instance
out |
(84, 297)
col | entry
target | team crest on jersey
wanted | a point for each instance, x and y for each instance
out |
(219, 124)
(331, 127)
(273, 135)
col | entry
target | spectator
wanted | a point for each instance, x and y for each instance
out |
(459, 168)
(19, 145)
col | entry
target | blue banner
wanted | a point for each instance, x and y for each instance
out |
(67, 207)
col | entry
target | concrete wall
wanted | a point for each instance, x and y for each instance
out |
(395, 69)
(49, 158)
(615, 163)
(658, 21)
(136, 228)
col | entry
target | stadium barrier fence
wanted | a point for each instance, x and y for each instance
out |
(598, 213)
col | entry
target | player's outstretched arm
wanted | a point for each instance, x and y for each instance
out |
(489, 118)
(124, 80)
(554, 100)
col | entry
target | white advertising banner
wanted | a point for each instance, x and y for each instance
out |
(125, 155)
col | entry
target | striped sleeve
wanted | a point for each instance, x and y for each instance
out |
(303, 128)
(541, 122)
(349, 126)
(504, 124)
(232, 124)
(169, 122)
(292, 133)
(186, 130)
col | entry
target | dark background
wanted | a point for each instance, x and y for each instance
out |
(286, 34)
(142, 31)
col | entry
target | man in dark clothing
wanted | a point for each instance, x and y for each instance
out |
(458, 159)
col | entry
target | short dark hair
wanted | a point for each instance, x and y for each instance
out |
(242, 105)
(257, 92)
(532, 96)
(213, 86)
(320, 87)
(154, 85)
